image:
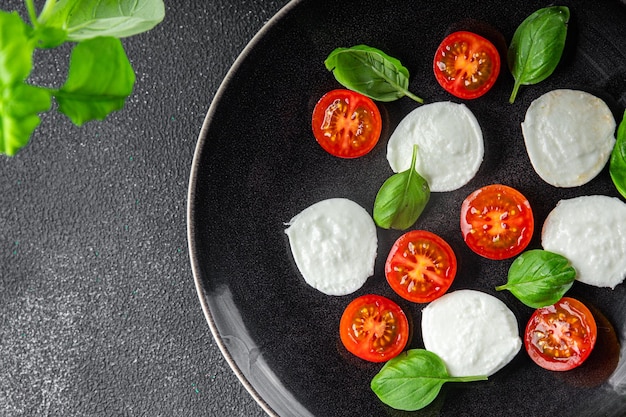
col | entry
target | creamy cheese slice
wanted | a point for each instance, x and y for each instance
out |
(473, 332)
(569, 136)
(334, 245)
(590, 231)
(450, 145)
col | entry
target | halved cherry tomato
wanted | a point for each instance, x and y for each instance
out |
(346, 124)
(561, 336)
(374, 328)
(466, 65)
(421, 266)
(497, 222)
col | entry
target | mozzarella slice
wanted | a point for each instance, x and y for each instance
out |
(590, 231)
(569, 136)
(473, 332)
(334, 245)
(450, 145)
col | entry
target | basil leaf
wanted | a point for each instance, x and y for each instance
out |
(19, 108)
(401, 199)
(20, 103)
(537, 46)
(87, 19)
(617, 167)
(16, 49)
(100, 78)
(50, 37)
(371, 72)
(413, 379)
(539, 278)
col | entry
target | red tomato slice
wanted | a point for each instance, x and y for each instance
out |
(346, 124)
(466, 65)
(560, 337)
(421, 266)
(374, 328)
(497, 222)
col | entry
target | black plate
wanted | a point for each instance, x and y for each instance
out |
(257, 165)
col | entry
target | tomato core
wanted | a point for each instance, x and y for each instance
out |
(421, 266)
(466, 65)
(561, 336)
(497, 222)
(374, 328)
(346, 124)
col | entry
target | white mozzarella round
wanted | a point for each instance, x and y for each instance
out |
(473, 332)
(569, 136)
(334, 245)
(590, 231)
(450, 145)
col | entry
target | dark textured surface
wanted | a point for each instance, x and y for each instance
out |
(98, 311)
(254, 173)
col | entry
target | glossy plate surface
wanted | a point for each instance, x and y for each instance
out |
(257, 165)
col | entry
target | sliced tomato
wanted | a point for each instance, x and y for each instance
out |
(466, 65)
(497, 222)
(346, 124)
(374, 328)
(421, 266)
(561, 336)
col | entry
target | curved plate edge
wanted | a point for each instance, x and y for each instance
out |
(191, 194)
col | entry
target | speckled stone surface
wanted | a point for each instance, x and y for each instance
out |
(99, 315)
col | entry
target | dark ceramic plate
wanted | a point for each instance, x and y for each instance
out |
(257, 165)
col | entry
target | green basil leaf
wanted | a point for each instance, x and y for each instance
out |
(537, 46)
(617, 166)
(50, 37)
(100, 78)
(371, 72)
(16, 49)
(401, 199)
(413, 379)
(539, 278)
(87, 19)
(19, 108)
(20, 103)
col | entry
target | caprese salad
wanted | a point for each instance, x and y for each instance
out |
(468, 335)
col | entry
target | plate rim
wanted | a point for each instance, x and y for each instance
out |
(192, 186)
(200, 149)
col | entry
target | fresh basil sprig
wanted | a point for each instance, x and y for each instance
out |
(371, 72)
(100, 76)
(539, 278)
(537, 46)
(401, 199)
(413, 379)
(617, 165)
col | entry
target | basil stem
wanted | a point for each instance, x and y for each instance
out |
(413, 379)
(537, 46)
(617, 167)
(371, 72)
(401, 199)
(539, 278)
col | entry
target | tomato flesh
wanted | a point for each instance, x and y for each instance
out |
(466, 65)
(374, 328)
(420, 266)
(560, 337)
(497, 222)
(346, 124)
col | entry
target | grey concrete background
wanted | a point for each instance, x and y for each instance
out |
(98, 310)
